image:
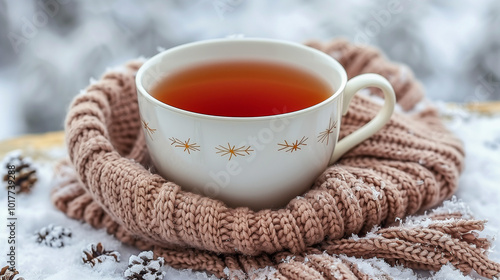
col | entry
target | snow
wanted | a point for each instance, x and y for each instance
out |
(14, 159)
(478, 195)
(381, 269)
(376, 194)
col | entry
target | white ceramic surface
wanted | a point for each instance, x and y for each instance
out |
(259, 162)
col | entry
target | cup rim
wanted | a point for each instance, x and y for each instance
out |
(151, 61)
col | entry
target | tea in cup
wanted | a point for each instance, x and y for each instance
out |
(251, 122)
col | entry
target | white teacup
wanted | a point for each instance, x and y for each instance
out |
(258, 162)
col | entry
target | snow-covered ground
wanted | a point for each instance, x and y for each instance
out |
(50, 49)
(478, 190)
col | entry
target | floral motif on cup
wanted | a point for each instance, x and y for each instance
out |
(233, 151)
(186, 145)
(150, 131)
(292, 146)
(325, 134)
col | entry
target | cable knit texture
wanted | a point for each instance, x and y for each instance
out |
(412, 164)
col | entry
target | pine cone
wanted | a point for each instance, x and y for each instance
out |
(18, 171)
(7, 274)
(143, 267)
(53, 236)
(95, 254)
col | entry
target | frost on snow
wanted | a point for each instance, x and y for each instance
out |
(145, 267)
(53, 236)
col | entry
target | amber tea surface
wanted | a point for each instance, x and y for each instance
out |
(242, 88)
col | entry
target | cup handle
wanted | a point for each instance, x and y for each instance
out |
(354, 85)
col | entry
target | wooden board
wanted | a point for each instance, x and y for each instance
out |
(484, 107)
(33, 142)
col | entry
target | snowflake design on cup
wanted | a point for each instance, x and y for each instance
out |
(188, 147)
(150, 131)
(325, 135)
(233, 151)
(293, 146)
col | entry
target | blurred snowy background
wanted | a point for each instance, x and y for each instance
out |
(49, 49)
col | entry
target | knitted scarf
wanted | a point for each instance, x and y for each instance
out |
(352, 210)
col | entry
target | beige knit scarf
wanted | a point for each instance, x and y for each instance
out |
(411, 165)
